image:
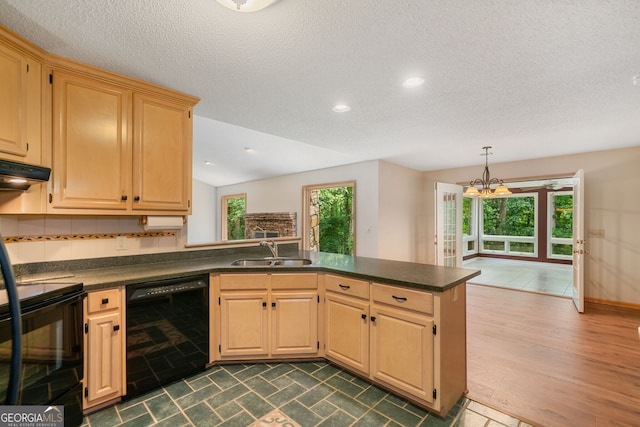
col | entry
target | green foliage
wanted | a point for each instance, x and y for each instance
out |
(559, 249)
(336, 220)
(509, 216)
(236, 208)
(563, 216)
(466, 216)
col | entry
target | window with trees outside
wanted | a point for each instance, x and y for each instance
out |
(330, 218)
(509, 225)
(560, 225)
(233, 209)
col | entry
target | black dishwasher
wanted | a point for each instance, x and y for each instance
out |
(167, 332)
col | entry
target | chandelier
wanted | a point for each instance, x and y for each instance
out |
(246, 5)
(486, 182)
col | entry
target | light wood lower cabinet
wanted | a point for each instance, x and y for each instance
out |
(409, 341)
(264, 316)
(244, 325)
(104, 348)
(294, 323)
(347, 331)
(402, 351)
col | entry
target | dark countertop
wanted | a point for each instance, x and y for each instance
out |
(420, 276)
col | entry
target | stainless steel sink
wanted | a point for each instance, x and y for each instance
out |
(271, 262)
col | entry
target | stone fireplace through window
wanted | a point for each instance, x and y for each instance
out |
(268, 225)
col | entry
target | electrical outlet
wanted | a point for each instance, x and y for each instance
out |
(121, 243)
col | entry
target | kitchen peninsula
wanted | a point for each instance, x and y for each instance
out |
(399, 325)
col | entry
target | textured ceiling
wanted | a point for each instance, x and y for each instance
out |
(531, 78)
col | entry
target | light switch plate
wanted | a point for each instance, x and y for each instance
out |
(596, 233)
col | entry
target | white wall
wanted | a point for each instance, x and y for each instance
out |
(205, 213)
(388, 201)
(611, 204)
(399, 204)
(284, 194)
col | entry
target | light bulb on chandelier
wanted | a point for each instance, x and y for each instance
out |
(486, 182)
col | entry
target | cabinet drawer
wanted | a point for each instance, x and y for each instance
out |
(294, 281)
(403, 298)
(231, 282)
(103, 300)
(347, 286)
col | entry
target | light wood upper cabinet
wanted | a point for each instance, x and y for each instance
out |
(22, 118)
(161, 154)
(13, 102)
(108, 155)
(20, 100)
(116, 145)
(118, 149)
(91, 143)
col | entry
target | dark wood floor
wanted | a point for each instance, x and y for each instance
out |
(535, 357)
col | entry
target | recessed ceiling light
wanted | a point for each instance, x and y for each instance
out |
(246, 5)
(636, 80)
(208, 163)
(341, 108)
(413, 82)
(249, 150)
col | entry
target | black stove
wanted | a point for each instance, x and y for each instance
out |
(35, 294)
(52, 346)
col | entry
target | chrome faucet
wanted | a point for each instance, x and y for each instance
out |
(273, 247)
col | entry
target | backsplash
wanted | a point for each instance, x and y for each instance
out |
(40, 238)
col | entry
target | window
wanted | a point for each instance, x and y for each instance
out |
(233, 209)
(469, 226)
(560, 225)
(509, 225)
(329, 220)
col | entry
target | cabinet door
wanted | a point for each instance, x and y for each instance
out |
(402, 351)
(91, 144)
(161, 155)
(244, 329)
(13, 108)
(294, 323)
(103, 358)
(347, 332)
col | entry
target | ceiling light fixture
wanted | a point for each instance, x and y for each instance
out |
(413, 82)
(486, 182)
(636, 80)
(249, 150)
(246, 5)
(208, 162)
(341, 108)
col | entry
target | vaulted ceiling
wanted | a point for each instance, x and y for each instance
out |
(531, 78)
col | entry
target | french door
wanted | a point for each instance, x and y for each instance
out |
(448, 238)
(578, 241)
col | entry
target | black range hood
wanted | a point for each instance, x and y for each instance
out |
(20, 176)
